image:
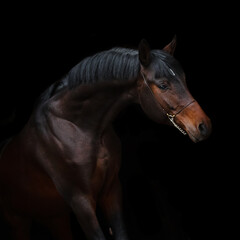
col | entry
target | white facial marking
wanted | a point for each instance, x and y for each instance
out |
(172, 72)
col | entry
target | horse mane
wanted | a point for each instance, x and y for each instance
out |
(116, 63)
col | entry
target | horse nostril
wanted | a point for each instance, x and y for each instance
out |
(203, 129)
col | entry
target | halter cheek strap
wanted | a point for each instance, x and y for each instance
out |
(170, 116)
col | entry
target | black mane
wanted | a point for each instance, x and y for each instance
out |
(117, 63)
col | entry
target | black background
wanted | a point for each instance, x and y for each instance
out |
(166, 177)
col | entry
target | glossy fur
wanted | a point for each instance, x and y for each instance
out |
(67, 157)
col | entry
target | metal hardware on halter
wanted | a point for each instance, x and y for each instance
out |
(170, 116)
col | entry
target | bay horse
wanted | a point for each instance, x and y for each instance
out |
(67, 157)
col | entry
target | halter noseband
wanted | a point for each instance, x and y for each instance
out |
(170, 116)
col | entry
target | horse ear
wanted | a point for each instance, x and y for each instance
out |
(144, 53)
(170, 48)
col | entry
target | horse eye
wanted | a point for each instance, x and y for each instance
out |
(163, 86)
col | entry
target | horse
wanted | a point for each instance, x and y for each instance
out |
(67, 156)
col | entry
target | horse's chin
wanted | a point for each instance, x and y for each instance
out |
(193, 138)
(196, 137)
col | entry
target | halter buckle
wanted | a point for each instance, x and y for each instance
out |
(171, 116)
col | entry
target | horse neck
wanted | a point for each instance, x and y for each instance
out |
(94, 107)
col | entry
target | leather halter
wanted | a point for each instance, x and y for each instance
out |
(170, 116)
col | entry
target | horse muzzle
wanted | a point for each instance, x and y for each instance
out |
(194, 121)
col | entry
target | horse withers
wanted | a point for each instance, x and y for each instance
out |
(67, 157)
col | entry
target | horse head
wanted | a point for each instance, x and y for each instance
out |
(164, 95)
